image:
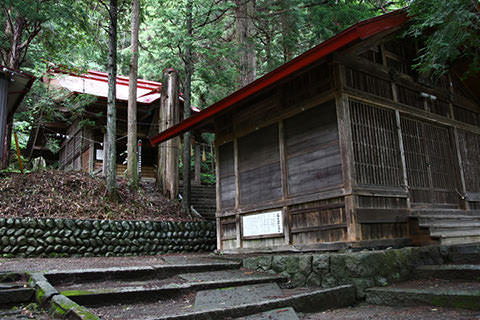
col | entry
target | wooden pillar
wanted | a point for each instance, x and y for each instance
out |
(346, 151)
(169, 115)
(402, 157)
(197, 175)
(91, 157)
(217, 187)
(237, 193)
(283, 166)
(104, 163)
(4, 144)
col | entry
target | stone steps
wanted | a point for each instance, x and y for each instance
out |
(452, 294)
(451, 226)
(447, 286)
(254, 300)
(469, 272)
(148, 290)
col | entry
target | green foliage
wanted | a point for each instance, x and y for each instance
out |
(450, 31)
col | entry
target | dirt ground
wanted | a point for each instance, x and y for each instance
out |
(43, 264)
(372, 312)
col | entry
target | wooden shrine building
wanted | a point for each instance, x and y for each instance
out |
(14, 85)
(344, 146)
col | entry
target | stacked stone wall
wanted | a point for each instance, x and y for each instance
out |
(29, 237)
(363, 269)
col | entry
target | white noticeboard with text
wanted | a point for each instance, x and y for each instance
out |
(262, 224)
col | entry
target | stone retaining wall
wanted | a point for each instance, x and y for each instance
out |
(28, 237)
(363, 269)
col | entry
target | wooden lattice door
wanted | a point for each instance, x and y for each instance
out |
(429, 155)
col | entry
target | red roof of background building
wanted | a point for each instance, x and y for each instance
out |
(359, 31)
(96, 83)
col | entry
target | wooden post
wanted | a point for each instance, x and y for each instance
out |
(169, 116)
(237, 193)
(402, 157)
(91, 157)
(346, 151)
(197, 175)
(283, 166)
(217, 187)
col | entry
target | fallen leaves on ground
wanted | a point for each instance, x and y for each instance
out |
(61, 194)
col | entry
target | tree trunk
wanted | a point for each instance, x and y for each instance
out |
(187, 111)
(289, 33)
(110, 154)
(132, 164)
(247, 55)
(197, 179)
(168, 150)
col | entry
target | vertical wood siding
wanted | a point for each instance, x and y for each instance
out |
(259, 166)
(312, 150)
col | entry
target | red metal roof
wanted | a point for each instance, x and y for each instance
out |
(359, 31)
(96, 83)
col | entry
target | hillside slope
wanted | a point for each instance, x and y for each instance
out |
(60, 194)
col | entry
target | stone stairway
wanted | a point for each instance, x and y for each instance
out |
(183, 287)
(454, 285)
(203, 200)
(451, 226)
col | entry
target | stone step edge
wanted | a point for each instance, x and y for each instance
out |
(315, 301)
(464, 299)
(449, 272)
(103, 296)
(57, 277)
(57, 305)
(16, 296)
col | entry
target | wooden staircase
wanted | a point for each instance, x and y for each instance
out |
(451, 226)
(203, 200)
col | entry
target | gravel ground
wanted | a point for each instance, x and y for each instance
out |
(29, 311)
(177, 305)
(374, 312)
(45, 264)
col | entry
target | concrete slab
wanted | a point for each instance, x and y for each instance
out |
(277, 314)
(228, 274)
(234, 296)
(182, 260)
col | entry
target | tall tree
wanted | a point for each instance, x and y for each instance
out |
(450, 31)
(187, 107)
(110, 148)
(246, 46)
(132, 164)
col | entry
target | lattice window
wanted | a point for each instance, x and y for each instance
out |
(430, 166)
(375, 145)
(367, 83)
(470, 153)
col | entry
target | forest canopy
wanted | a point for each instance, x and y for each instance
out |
(232, 42)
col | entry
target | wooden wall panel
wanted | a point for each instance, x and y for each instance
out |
(375, 145)
(259, 166)
(312, 150)
(227, 175)
(367, 83)
(319, 221)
